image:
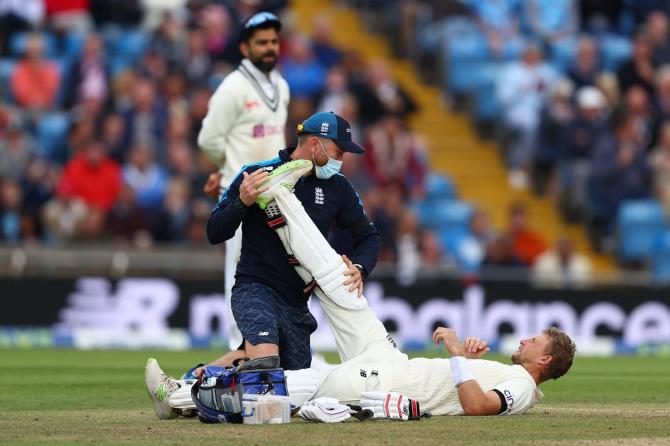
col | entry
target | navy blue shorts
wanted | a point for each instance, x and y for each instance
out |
(264, 317)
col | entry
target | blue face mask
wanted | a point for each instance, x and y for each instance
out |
(332, 167)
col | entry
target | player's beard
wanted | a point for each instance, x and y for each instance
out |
(265, 65)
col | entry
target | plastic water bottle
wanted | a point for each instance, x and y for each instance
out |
(372, 382)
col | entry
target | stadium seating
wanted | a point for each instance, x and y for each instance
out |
(52, 131)
(639, 224)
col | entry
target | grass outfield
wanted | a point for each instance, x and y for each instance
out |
(67, 397)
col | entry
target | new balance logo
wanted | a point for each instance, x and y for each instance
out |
(160, 393)
(263, 333)
(318, 195)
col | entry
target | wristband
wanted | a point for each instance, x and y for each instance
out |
(460, 370)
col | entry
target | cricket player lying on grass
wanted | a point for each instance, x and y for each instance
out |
(462, 384)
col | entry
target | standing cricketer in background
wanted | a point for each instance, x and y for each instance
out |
(245, 124)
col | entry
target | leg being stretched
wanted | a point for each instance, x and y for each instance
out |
(354, 324)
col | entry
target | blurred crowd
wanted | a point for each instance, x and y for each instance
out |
(101, 102)
(577, 92)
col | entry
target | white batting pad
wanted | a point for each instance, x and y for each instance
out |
(301, 385)
(315, 254)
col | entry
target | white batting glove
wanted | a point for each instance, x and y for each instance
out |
(324, 410)
(390, 405)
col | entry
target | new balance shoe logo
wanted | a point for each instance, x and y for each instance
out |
(160, 392)
(318, 195)
(263, 333)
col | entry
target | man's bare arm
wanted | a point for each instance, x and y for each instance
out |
(471, 396)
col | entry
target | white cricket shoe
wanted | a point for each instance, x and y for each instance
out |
(159, 388)
(284, 176)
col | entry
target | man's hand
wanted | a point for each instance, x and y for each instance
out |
(354, 278)
(450, 339)
(471, 348)
(252, 186)
(211, 188)
(475, 348)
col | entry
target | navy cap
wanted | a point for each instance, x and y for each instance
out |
(331, 126)
(262, 20)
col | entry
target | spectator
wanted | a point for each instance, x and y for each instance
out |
(63, 216)
(657, 27)
(16, 152)
(147, 179)
(304, 73)
(220, 35)
(378, 94)
(92, 176)
(112, 133)
(88, 78)
(527, 244)
(576, 166)
(17, 16)
(35, 81)
(619, 172)
(145, 120)
(555, 120)
(523, 89)
(662, 96)
(639, 107)
(395, 157)
(322, 42)
(198, 63)
(585, 68)
(172, 223)
(335, 91)
(126, 219)
(562, 267)
(11, 215)
(170, 40)
(500, 252)
(408, 254)
(430, 249)
(659, 161)
(639, 70)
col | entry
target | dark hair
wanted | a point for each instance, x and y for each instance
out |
(562, 351)
(260, 20)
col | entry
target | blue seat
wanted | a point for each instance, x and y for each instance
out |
(439, 187)
(462, 248)
(18, 42)
(52, 131)
(639, 224)
(660, 258)
(614, 50)
(444, 214)
(6, 71)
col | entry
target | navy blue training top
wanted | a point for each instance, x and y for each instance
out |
(263, 258)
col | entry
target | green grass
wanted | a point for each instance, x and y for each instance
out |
(68, 397)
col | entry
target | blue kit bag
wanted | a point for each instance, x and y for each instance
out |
(218, 395)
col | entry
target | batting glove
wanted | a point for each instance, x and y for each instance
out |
(390, 405)
(324, 410)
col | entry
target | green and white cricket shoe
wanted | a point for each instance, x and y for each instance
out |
(284, 176)
(159, 388)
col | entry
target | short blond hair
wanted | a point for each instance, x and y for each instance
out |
(562, 351)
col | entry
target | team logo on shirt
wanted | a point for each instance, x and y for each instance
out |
(258, 131)
(318, 195)
(251, 104)
(510, 399)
